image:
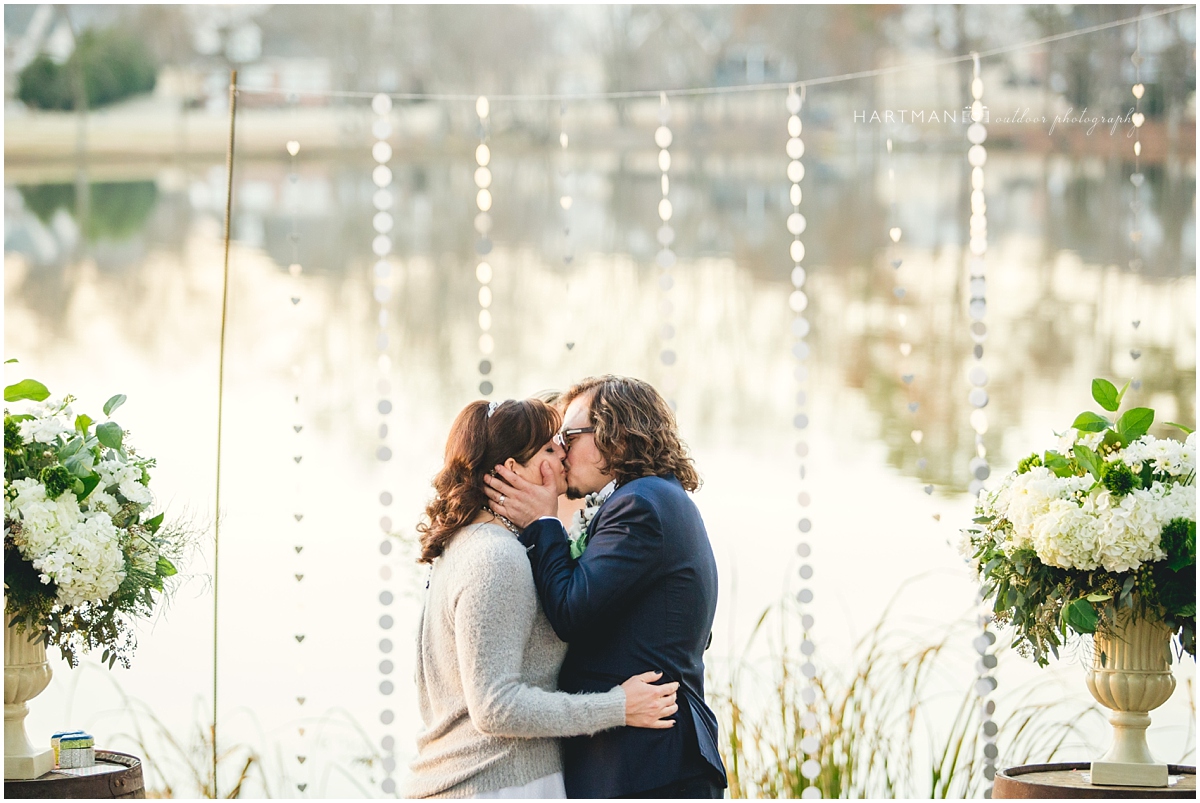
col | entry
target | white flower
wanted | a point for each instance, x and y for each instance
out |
(1166, 456)
(51, 418)
(86, 562)
(43, 430)
(1029, 496)
(134, 491)
(1065, 535)
(577, 534)
(126, 478)
(1091, 440)
(42, 519)
(79, 552)
(966, 548)
(100, 500)
(1130, 529)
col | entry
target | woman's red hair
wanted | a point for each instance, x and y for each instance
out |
(477, 444)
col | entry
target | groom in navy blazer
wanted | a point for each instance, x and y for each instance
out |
(641, 597)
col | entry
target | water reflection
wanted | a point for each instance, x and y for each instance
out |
(115, 210)
(140, 279)
(1060, 262)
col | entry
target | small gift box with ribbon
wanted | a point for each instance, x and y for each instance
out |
(76, 750)
(56, 738)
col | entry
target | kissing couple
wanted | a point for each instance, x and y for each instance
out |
(551, 664)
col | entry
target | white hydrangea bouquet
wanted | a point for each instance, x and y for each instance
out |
(81, 558)
(1106, 521)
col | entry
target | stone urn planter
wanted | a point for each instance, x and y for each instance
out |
(26, 675)
(1131, 675)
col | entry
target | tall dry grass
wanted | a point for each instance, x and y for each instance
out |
(901, 721)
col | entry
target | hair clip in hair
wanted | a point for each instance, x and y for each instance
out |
(492, 408)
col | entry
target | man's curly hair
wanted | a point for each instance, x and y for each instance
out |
(636, 432)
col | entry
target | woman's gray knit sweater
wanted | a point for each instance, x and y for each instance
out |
(487, 670)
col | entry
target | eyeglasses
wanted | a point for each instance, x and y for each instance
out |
(562, 438)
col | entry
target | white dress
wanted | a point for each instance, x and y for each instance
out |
(548, 787)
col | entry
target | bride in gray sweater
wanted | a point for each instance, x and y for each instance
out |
(487, 658)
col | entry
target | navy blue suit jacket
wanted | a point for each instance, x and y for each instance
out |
(642, 597)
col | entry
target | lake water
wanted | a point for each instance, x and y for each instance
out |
(127, 299)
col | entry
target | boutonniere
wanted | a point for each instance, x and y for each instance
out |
(577, 535)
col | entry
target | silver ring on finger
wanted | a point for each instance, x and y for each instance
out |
(503, 499)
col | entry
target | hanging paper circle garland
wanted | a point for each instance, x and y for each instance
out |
(382, 222)
(977, 397)
(798, 302)
(666, 256)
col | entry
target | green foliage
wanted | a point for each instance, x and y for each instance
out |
(1106, 394)
(1032, 461)
(1135, 423)
(26, 389)
(24, 592)
(57, 481)
(1058, 464)
(1080, 616)
(1179, 541)
(110, 434)
(1044, 603)
(1088, 459)
(114, 403)
(1090, 422)
(85, 486)
(12, 435)
(64, 460)
(1118, 478)
(113, 64)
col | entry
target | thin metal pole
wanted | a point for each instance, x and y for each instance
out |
(220, 412)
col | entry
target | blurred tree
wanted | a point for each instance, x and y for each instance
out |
(119, 210)
(44, 85)
(1095, 71)
(114, 65)
(164, 31)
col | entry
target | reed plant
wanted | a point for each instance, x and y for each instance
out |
(180, 764)
(902, 722)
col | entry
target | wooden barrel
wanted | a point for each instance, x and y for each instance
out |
(115, 775)
(1040, 781)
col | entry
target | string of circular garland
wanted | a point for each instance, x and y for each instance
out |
(666, 256)
(977, 397)
(483, 225)
(383, 222)
(810, 743)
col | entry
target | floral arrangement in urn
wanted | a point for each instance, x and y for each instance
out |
(1100, 529)
(81, 556)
